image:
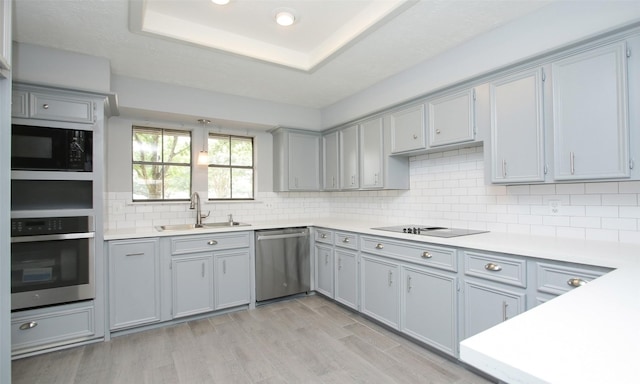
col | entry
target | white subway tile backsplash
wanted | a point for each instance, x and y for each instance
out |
(447, 189)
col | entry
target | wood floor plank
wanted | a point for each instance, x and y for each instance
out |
(304, 340)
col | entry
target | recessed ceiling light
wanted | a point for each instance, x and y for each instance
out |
(221, 2)
(285, 17)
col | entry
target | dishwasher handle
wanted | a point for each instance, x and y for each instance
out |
(283, 236)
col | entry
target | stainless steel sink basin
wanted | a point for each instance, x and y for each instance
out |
(186, 227)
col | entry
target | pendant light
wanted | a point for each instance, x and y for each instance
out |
(203, 156)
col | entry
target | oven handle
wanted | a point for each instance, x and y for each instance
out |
(62, 236)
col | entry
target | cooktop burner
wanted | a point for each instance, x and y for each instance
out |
(430, 230)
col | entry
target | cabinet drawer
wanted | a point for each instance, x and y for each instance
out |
(60, 107)
(324, 236)
(508, 270)
(19, 104)
(212, 242)
(558, 279)
(433, 256)
(346, 240)
(52, 327)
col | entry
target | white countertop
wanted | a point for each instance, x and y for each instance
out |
(589, 335)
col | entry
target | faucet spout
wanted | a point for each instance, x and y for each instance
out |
(195, 204)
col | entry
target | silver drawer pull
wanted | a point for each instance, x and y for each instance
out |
(575, 282)
(323, 236)
(212, 242)
(379, 246)
(45, 106)
(29, 325)
(135, 254)
(493, 267)
(426, 255)
(345, 240)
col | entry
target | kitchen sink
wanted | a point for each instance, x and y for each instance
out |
(186, 227)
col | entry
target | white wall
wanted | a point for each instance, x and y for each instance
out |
(551, 27)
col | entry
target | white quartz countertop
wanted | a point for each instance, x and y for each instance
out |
(589, 335)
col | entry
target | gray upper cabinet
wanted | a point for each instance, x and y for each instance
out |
(408, 129)
(451, 118)
(349, 159)
(590, 114)
(296, 160)
(330, 163)
(517, 128)
(371, 154)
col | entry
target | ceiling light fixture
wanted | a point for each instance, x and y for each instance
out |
(285, 17)
(221, 2)
(203, 156)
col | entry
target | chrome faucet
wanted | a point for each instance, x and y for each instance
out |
(195, 204)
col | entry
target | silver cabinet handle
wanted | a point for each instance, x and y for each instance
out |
(224, 267)
(346, 240)
(437, 131)
(353, 180)
(415, 136)
(379, 246)
(408, 283)
(426, 255)
(493, 267)
(390, 277)
(576, 282)
(375, 178)
(135, 254)
(326, 258)
(572, 162)
(339, 263)
(504, 311)
(504, 168)
(29, 325)
(323, 236)
(203, 269)
(45, 106)
(212, 242)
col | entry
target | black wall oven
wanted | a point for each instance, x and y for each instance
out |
(51, 149)
(52, 261)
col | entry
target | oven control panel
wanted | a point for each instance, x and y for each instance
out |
(49, 225)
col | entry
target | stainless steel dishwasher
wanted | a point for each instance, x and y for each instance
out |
(282, 262)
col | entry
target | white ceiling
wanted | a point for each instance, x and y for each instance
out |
(345, 46)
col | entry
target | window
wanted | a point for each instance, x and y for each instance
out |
(161, 164)
(230, 167)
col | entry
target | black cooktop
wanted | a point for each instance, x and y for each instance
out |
(435, 231)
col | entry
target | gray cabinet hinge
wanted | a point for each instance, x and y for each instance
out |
(544, 75)
(628, 52)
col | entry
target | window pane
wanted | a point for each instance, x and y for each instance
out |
(219, 183)
(219, 150)
(242, 151)
(177, 182)
(147, 145)
(147, 182)
(177, 147)
(242, 185)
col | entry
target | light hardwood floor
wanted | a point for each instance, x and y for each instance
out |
(304, 340)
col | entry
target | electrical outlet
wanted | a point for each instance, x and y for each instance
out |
(554, 207)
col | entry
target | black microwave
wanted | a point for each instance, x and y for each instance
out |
(51, 149)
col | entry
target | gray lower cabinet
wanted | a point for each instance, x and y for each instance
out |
(192, 284)
(324, 269)
(380, 289)
(232, 276)
(134, 283)
(494, 290)
(555, 278)
(429, 305)
(346, 269)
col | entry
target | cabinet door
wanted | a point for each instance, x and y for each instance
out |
(134, 283)
(324, 270)
(347, 277)
(429, 308)
(304, 158)
(371, 154)
(380, 294)
(408, 129)
(590, 115)
(349, 177)
(451, 118)
(232, 278)
(19, 103)
(330, 161)
(517, 136)
(192, 284)
(487, 305)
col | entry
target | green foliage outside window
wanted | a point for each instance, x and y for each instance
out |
(231, 171)
(161, 164)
